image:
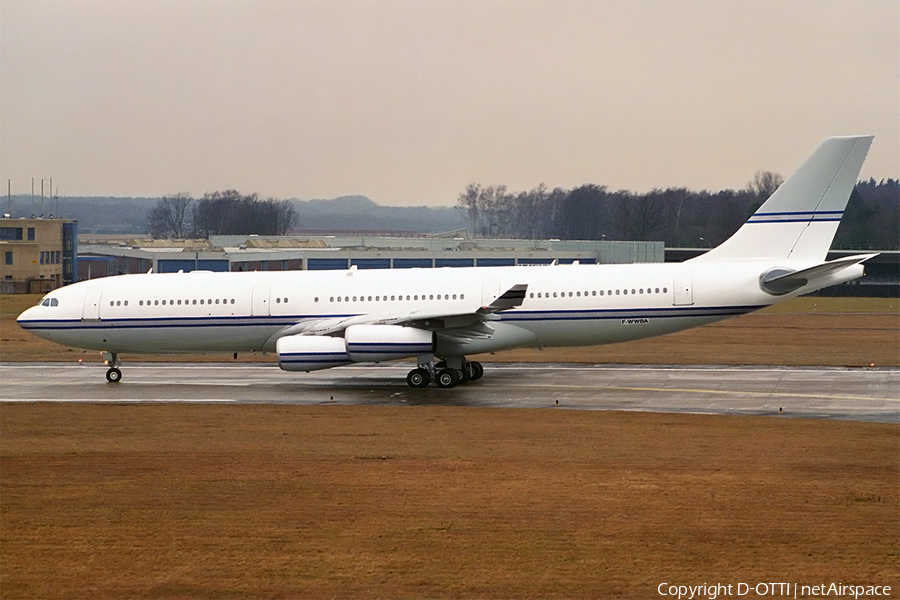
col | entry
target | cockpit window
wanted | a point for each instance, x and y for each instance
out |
(50, 302)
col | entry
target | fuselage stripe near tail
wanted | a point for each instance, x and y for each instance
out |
(797, 216)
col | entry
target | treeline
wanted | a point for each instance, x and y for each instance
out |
(677, 216)
(220, 213)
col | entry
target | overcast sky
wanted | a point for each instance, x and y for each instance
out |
(408, 102)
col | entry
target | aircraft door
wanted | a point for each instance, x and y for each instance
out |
(91, 309)
(260, 306)
(684, 295)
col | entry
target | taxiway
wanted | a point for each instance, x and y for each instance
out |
(825, 393)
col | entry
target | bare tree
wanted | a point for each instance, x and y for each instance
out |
(764, 184)
(585, 213)
(677, 216)
(488, 209)
(279, 216)
(532, 211)
(643, 214)
(675, 201)
(167, 217)
(233, 213)
(491, 208)
(214, 211)
(492, 211)
(468, 201)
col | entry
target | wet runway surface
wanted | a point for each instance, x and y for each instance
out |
(825, 393)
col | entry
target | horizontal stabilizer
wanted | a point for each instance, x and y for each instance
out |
(781, 281)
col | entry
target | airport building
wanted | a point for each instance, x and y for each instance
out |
(38, 255)
(42, 254)
(101, 257)
(104, 256)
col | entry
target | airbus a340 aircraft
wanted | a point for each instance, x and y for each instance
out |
(317, 320)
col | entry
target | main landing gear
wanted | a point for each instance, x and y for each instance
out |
(444, 376)
(113, 375)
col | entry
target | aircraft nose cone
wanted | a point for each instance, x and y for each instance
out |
(23, 319)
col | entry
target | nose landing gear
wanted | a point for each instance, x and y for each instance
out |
(113, 375)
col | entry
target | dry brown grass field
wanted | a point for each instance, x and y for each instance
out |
(255, 501)
(191, 501)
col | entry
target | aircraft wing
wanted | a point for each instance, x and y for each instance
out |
(472, 321)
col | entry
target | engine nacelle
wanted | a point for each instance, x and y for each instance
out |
(311, 352)
(361, 343)
(376, 343)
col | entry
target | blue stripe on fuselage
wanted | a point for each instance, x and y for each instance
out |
(506, 316)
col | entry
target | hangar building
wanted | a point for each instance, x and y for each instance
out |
(102, 257)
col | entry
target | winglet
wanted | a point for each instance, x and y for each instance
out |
(511, 298)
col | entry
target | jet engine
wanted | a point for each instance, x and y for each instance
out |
(311, 352)
(361, 343)
(376, 343)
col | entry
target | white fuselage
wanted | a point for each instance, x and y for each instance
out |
(566, 305)
(322, 319)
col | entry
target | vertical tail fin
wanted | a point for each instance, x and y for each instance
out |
(800, 219)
